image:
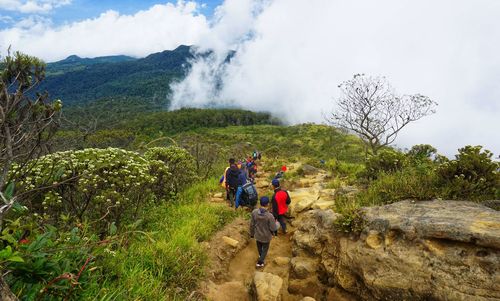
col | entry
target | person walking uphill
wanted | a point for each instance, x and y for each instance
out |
(232, 177)
(262, 227)
(280, 201)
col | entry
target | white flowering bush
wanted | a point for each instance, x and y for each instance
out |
(174, 167)
(95, 185)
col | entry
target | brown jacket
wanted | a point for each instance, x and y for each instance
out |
(262, 225)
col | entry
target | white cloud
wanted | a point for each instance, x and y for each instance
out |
(32, 6)
(299, 51)
(156, 29)
(6, 19)
(292, 54)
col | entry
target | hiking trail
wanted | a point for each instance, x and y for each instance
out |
(233, 255)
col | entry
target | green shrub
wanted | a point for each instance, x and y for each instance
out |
(422, 152)
(418, 183)
(471, 176)
(345, 169)
(386, 161)
(55, 264)
(177, 171)
(351, 219)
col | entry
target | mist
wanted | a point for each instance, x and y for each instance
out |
(291, 55)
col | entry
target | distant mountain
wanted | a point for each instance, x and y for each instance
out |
(75, 63)
(77, 80)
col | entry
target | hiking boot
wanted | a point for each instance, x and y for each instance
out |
(259, 265)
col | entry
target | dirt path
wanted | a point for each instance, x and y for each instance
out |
(233, 281)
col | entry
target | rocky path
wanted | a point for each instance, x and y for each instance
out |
(233, 254)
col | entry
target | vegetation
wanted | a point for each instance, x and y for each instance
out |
(391, 176)
(78, 81)
(370, 108)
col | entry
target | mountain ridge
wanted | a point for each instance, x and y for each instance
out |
(77, 80)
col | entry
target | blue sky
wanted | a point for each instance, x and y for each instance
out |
(78, 10)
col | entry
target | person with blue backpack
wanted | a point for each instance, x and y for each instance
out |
(246, 194)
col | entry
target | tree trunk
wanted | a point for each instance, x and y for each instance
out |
(5, 293)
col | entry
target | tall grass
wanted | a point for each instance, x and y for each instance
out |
(167, 263)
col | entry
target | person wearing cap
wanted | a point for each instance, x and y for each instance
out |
(262, 227)
(280, 201)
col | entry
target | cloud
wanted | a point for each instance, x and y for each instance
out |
(292, 54)
(6, 19)
(156, 29)
(32, 6)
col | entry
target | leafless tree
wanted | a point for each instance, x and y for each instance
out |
(371, 108)
(27, 122)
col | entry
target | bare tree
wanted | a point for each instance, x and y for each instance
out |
(370, 108)
(27, 122)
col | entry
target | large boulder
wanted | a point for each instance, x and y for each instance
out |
(447, 220)
(302, 200)
(267, 286)
(439, 250)
(304, 267)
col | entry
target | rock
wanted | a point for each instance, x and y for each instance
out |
(309, 170)
(227, 291)
(303, 267)
(302, 199)
(347, 190)
(451, 220)
(373, 240)
(310, 287)
(336, 294)
(308, 299)
(323, 205)
(327, 194)
(267, 286)
(327, 218)
(282, 260)
(218, 195)
(493, 204)
(307, 241)
(439, 250)
(303, 205)
(262, 184)
(232, 242)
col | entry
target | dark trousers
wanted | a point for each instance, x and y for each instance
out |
(281, 219)
(262, 247)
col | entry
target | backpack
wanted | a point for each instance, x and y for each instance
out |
(232, 177)
(250, 193)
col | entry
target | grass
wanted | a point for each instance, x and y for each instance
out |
(167, 263)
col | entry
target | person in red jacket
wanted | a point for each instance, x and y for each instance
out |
(280, 202)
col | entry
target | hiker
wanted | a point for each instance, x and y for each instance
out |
(280, 174)
(222, 179)
(262, 227)
(247, 195)
(252, 168)
(242, 180)
(280, 201)
(232, 181)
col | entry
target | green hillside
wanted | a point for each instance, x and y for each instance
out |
(78, 81)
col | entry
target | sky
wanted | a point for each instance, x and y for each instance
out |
(291, 55)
